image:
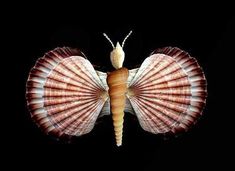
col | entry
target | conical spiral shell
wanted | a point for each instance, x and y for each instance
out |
(117, 82)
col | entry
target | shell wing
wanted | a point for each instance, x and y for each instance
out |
(64, 93)
(168, 91)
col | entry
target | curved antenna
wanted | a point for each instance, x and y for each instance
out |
(105, 35)
(123, 43)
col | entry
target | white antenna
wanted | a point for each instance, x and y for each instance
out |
(105, 35)
(123, 43)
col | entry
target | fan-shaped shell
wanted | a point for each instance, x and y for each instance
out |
(64, 93)
(168, 91)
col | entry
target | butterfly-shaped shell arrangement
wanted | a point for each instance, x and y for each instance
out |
(66, 95)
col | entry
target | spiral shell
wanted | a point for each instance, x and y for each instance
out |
(117, 82)
(168, 91)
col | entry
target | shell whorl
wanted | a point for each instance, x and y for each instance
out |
(117, 82)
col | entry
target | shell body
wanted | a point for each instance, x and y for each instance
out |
(117, 82)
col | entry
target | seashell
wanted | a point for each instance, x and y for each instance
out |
(64, 93)
(117, 82)
(168, 91)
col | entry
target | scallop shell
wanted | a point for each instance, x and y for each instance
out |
(64, 93)
(168, 91)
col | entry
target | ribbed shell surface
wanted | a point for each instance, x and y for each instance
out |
(168, 91)
(64, 93)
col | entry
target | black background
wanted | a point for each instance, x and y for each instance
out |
(206, 34)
